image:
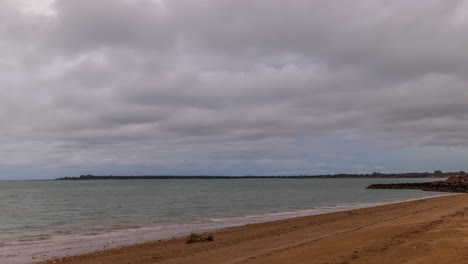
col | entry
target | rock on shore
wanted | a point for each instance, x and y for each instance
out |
(458, 184)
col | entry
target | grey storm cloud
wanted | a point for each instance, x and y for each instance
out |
(161, 81)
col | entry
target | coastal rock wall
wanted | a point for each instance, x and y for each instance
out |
(458, 184)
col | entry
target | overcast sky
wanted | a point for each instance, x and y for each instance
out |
(232, 87)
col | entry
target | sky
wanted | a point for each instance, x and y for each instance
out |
(232, 87)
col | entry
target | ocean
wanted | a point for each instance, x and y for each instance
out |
(44, 219)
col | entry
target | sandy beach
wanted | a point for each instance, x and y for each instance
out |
(433, 230)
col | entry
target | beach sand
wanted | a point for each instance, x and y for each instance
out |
(433, 230)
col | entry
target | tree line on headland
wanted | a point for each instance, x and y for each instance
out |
(456, 183)
(435, 174)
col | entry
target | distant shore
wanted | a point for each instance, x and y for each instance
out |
(425, 231)
(204, 177)
(457, 184)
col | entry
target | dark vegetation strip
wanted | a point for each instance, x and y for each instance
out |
(457, 184)
(436, 174)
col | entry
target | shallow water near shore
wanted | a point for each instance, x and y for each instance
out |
(43, 219)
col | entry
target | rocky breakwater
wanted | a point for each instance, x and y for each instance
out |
(458, 184)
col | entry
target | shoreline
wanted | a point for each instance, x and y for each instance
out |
(77, 244)
(217, 231)
(73, 238)
(317, 177)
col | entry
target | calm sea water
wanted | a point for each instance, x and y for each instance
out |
(37, 218)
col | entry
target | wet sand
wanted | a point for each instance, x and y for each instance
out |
(427, 231)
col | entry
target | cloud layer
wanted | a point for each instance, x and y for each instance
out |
(180, 84)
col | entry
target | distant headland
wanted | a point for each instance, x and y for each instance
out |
(435, 174)
(456, 183)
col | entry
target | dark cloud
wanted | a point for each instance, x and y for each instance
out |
(142, 82)
(87, 25)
